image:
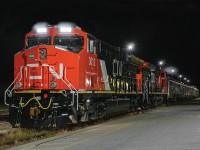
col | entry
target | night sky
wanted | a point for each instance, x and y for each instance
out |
(160, 29)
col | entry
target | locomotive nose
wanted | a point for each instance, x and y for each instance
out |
(34, 74)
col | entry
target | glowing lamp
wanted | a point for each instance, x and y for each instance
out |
(160, 62)
(65, 29)
(41, 27)
(41, 30)
(131, 46)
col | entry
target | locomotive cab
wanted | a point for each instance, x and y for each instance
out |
(50, 48)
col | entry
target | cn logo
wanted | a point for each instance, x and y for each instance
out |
(58, 76)
(52, 71)
(91, 61)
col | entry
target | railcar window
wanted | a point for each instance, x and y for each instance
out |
(33, 41)
(120, 68)
(71, 43)
(152, 76)
(115, 67)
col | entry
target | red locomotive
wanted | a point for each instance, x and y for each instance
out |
(65, 75)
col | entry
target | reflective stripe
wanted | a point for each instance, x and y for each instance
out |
(32, 65)
(35, 77)
(105, 75)
(27, 91)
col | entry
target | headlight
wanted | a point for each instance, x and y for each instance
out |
(53, 85)
(43, 53)
(41, 30)
(65, 29)
(18, 85)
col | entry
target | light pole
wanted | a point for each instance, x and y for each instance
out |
(188, 81)
(185, 79)
(129, 50)
(180, 76)
(131, 46)
(172, 72)
(160, 63)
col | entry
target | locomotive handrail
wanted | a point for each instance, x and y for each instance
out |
(9, 92)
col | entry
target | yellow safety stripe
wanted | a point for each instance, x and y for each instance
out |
(55, 91)
(36, 91)
(27, 91)
(105, 92)
(156, 93)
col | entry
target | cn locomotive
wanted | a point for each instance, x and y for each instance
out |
(65, 75)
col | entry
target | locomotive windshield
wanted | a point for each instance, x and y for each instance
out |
(71, 43)
(33, 41)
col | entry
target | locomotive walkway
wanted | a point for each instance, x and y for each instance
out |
(168, 128)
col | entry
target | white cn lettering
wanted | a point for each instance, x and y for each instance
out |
(91, 61)
(58, 76)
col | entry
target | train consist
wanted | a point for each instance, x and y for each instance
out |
(65, 75)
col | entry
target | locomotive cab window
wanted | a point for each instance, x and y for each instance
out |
(33, 41)
(92, 46)
(71, 43)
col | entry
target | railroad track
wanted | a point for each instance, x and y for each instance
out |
(4, 114)
(3, 117)
(194, 102)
